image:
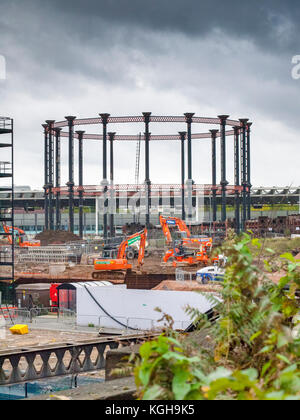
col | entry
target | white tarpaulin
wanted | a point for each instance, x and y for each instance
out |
(114, 307)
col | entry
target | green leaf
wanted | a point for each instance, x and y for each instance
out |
(288, 256)
(153, 393)
(180, 387)
(273, 396)
(146, 349)
(282, 340)
(254, 336)
(266, 349)
(283, 358)
(220, 373)
(252, 374)
(265, 368)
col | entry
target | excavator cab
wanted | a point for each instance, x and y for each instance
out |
(109, 252)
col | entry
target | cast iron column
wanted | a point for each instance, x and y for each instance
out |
(46, 175)
(104, 118)
(57, 177)
(189, 120)
(182, 138)
(249, 171)
(147, 116)
(214, 173)
(224, 182)
(112, 196)
(244, 170)
(237, 178)
(71, 184)
(80, 180)
(51, 173)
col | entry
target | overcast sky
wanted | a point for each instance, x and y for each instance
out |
(74, 57)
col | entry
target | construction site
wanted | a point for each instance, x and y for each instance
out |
(82, 296)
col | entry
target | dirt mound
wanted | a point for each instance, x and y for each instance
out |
(187, 286)
(51, 237)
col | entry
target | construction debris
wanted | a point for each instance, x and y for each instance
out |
(49, 237)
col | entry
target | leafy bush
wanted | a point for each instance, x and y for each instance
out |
(255, 340)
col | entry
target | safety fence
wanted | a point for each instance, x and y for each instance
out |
(181, 275)
(38, 317)
(127, 324)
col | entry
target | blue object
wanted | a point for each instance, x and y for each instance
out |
(208, 277)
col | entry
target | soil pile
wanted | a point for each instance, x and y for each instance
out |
(51, 237)
(188, 286)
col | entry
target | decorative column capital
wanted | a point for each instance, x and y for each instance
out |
(57, 130)
(50, 123)
(189, 117)
(70, 120)
(249, 124)
(104, 118)
(147, 116)
(214, 133)
(111, 136)
(243, 121)
(45, 127)
(236, 129)
(182, 134)
(80, 133)
(223, 119)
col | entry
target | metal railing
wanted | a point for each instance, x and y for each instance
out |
(51, 317)
(129, 324)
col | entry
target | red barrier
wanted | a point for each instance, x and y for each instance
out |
(9, 312)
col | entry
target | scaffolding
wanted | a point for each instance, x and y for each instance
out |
(7, 208)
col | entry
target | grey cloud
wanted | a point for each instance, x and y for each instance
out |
(269, 23)
(125, 56)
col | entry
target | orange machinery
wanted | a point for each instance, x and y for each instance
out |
(22, 239)
(183, 253)
(187, 256)
(120, 263)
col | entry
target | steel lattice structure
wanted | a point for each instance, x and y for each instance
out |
(54, 132)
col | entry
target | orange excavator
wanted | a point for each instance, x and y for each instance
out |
(188, 250)
(21, 237)
(185, 234)
(120, 262)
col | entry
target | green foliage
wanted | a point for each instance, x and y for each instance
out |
(255, 352)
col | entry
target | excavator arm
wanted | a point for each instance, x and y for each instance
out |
(129, 241)
(165, 229)
(142, 247)
(175, 221)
